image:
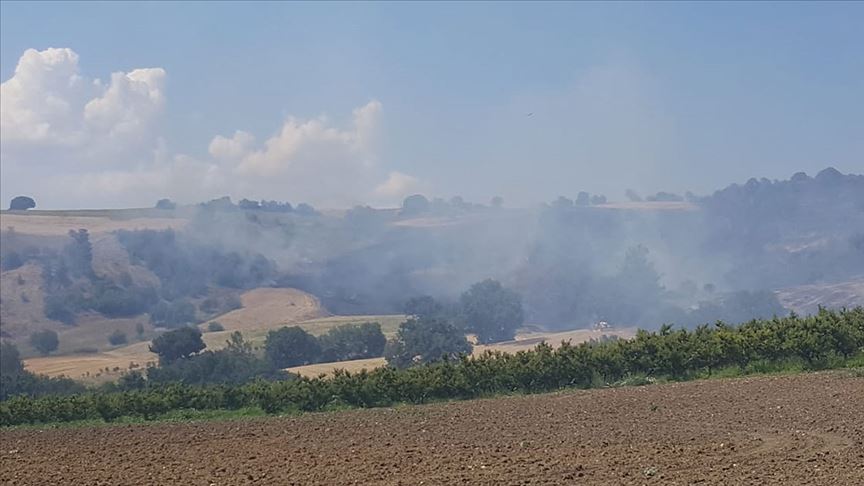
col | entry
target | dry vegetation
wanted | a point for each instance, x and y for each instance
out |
(58, 223)
(806, 299)
(266, 308)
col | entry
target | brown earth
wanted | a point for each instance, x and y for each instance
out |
(788, 430)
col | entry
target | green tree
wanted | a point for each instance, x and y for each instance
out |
(414, 205)
(491, 311)
(44, 341)
(177, 344)
(423, 306)
(215, 326)
(352, 341)
(22, 203)
(291, 346)
(117, 338)
(173, 314)
(425, 340)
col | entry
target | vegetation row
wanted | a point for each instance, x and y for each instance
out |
(828, 339)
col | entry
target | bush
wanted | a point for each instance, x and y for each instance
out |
(117, 338)
(44, 341)
(215, 327)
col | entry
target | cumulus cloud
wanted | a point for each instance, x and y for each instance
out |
(397, 186)
(47, 102)
(74, 141)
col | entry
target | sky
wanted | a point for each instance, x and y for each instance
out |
(108, 105)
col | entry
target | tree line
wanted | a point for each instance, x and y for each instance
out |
(828, 339)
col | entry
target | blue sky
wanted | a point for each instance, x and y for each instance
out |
(651, 96)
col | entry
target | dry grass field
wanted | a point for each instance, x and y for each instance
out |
(805, 299)
(266, 308)
(58, 223)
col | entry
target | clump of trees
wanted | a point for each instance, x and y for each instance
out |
(426, 340)
(117, 338)
(293, 346)
(17, 381)
(829, 339)
(44, 341)
(236, 363)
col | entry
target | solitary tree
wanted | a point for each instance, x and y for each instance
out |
(165, 204)
(44, 341)
(117, 338)
(291, 346)
(491, 311)
(414, 205)
(22, 203)
(176, 344)
(424, 340)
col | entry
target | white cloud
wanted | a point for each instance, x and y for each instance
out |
(396, 187)
(233, 148)
(48, 103)
(73, 141)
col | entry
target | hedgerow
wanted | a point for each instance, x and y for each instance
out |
(825, 340)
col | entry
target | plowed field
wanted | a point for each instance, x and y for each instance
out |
(804, 429)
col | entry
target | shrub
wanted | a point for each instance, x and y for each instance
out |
(215, 327)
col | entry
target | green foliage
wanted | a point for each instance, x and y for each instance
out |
(425, 340)
(117, 338)
(44, 341)
(351, 341)
(173, 314)
(177, 344)
(424, 306)
(215, 327)
(21, 203)
(291, 346)
(234, 364)
(491, 311)
(828, 339)
(15, 380)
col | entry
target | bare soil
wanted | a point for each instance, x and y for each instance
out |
(789, 430)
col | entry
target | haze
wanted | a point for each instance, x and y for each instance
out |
(117, 105)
